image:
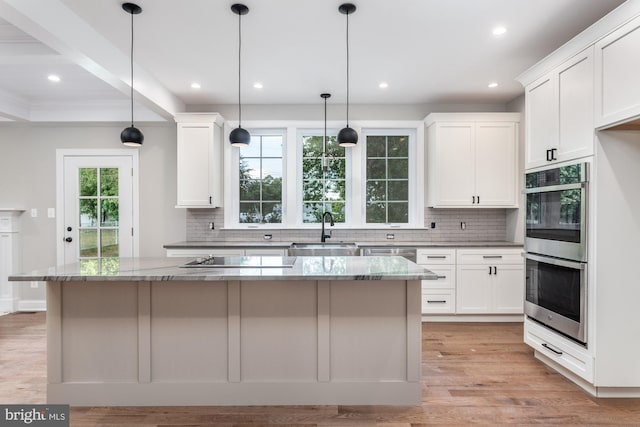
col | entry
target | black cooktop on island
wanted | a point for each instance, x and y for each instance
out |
(242, 262)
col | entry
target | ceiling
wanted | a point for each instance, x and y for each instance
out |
(427, 51)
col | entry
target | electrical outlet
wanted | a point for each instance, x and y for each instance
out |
(34, 213)
(463, 225)
(51, 213)
(433, 225)
(212, 226)
(391, 236)
(267, 237)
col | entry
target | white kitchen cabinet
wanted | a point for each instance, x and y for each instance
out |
(265, 252)
(559, 106)
(200, 161)
(438, 296)
(9, 258)
(617, 69)
(489, 281)
(472, 160)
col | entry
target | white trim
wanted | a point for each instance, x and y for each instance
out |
(61, 153)
(497, 318)
(32, 305)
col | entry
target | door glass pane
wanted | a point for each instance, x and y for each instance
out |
(109, 243)
(88, 243)
(109, 212)
(399, 212)
(88, 182)
(88, 212)
(109, 182)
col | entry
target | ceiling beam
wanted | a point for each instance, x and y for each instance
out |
(55, 25)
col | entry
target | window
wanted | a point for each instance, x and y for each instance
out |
(323, 177)
(260, 179)
(387, 179)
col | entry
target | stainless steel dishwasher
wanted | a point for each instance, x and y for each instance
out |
(408, 253)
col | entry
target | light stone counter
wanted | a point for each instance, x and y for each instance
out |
(286, 244)
(328, 331)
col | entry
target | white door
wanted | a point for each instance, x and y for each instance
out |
(98, 208)
(496, 164)
(454, 145)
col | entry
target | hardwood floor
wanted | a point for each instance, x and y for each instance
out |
(473, 373)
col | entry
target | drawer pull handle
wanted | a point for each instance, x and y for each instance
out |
(441, 277)
(436, 301)
(436, 256)
(547, 346)
(492, 256)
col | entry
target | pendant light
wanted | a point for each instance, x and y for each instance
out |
(239, 137)
(132, 136)
(325, 158)
(347, 137)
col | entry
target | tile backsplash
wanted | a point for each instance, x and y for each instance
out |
(479, 225)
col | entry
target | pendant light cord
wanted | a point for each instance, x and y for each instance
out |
(347, 69)
(131, 62)
(239, 69)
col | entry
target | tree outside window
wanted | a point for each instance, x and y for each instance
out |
(261, 180)
(323, 190)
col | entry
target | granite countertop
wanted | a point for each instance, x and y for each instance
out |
(392, 243)
(168, 269)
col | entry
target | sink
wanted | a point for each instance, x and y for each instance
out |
(324, 249)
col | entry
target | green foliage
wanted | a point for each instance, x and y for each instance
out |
(108, 196)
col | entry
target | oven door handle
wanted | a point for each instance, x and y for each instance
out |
(554, 261)
(559, 187)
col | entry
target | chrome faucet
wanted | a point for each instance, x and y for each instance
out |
(324, 237)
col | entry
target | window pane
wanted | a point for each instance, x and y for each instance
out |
(399, 190)
(271, 146)
(311, 146)
(88, 212)
(337, 169)
(88, 243)
(272, 189)
(109, 212)
(311, 212)
(250, 168)
(337, 209)
(88, 182)
(335, 190)
(376, 191)
(333, 148)
(271, 168)
(109, 243)
(398, 169)
(312, 168)
(250, 213)
(109, 182)
(376, 213)
(253, 150)
(376, 169)
(399, 212)
(376, 146)
(313, 189)
(249, 189)
(398, 146)
(272, 212)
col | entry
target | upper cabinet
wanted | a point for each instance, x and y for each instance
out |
(200, 161)
(559, 108)
(472, 160)
(617, 71)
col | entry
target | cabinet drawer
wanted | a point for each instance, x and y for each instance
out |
(557, 348)
(438, 301)
(446, 277)
(435, 256)
(489, 256)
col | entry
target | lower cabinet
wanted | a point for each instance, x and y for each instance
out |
(438, 296)
(489, 281)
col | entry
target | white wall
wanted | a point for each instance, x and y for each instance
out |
(515, 217)
(28, 180)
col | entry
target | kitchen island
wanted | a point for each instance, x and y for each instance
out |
(325, 330)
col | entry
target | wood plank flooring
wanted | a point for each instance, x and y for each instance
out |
(472, 373)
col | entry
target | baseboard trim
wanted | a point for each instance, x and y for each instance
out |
(473, 318)
(32, 305)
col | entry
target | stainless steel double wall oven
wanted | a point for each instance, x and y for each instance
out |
(556, 248)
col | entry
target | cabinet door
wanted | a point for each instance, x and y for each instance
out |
(617, 71)
(575, 103)
(195, 158)
(495, 152)
(542, 120)
(454, 168)
(508, 289)
(265, 252)
(473, 289)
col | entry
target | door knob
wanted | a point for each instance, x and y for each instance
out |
(69, 228)
(68, 239)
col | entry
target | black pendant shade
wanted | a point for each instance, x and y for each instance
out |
(239, 137)
(132, 136)
(347, 137)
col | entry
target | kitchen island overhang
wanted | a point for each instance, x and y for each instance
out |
(328, 330)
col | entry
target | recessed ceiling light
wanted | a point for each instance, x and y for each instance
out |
(195, 85)
(53, 78)
(498, 31)
(258, 85)
(493, 84)
(383, 85)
